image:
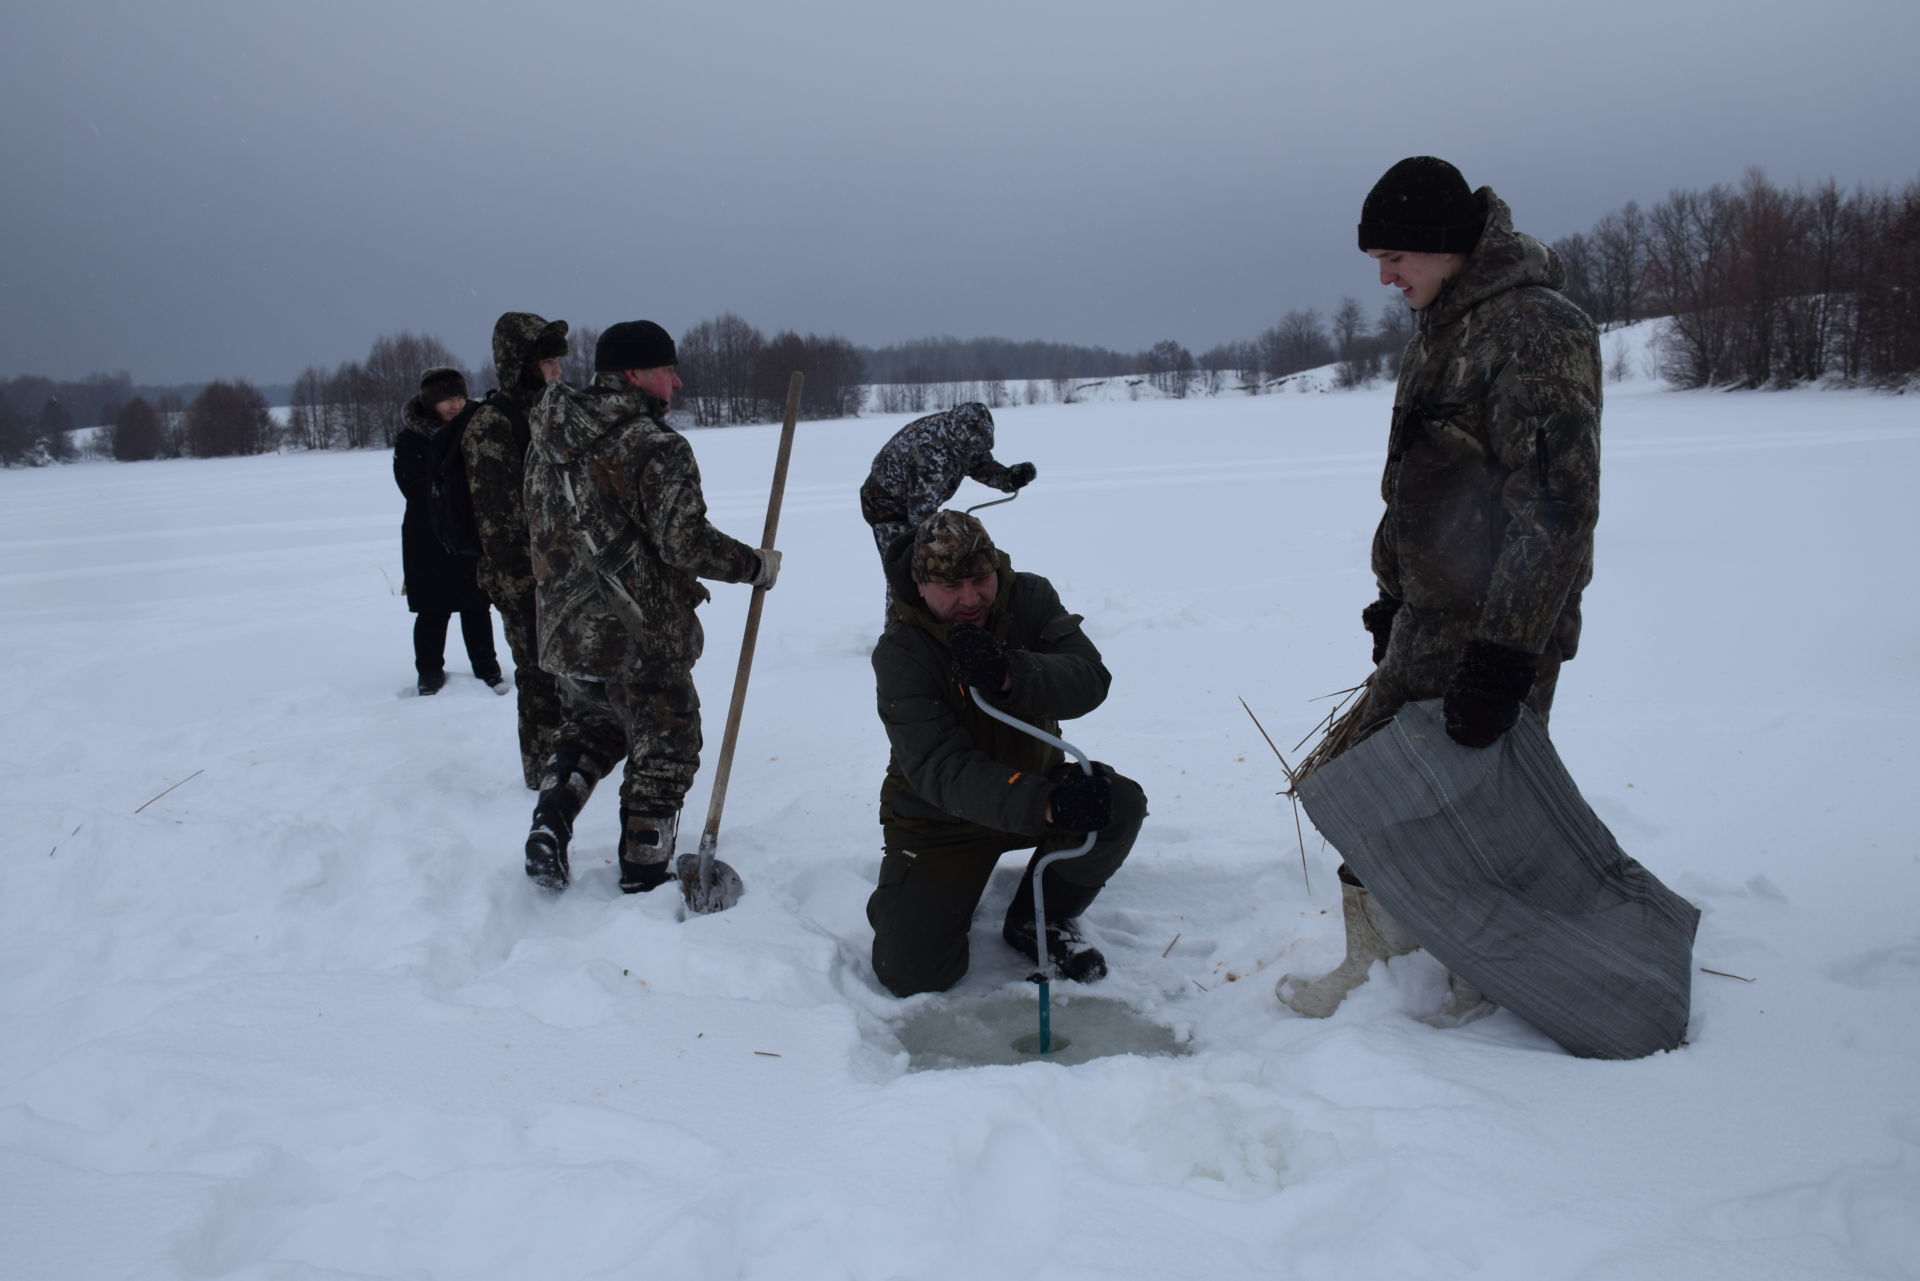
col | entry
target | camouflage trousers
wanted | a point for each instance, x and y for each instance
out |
(538, 691)
(652, 719)
(888, 521)
(886, 515)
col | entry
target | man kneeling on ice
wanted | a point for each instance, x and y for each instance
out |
(962, 787)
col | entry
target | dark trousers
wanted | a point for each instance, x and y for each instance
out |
(430, 641)
(922, 909)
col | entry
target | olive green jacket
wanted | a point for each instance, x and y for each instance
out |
(957, 774)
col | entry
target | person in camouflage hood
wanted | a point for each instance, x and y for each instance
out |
(527, 351)
(921, 467)
(1492, 491)
(963, 788)
(620, 540)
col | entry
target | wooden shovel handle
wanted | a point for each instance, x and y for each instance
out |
(723, 768)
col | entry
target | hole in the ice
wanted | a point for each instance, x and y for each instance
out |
(1002, 1029)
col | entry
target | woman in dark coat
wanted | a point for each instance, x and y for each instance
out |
(439, 583)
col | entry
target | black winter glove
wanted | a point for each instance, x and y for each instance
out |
(1081, 802)
(978, 659)
(1020, 475)
(1485, 692)
(1377, 618)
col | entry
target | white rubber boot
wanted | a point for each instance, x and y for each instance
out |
(1372, 936)
(1464, 1004)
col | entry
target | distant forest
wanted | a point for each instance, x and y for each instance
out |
(1761, 287)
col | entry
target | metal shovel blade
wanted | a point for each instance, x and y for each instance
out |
(707, 884)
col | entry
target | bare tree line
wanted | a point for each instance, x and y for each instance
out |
(223, 418)
(1763, 286)
(1359, 349)
(735, 374)
(357, 405)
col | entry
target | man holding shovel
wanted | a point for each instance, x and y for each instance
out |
(620, 540)
(963, 788)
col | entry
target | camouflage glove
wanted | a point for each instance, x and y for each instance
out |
(1377, 618)
(1080, 802)
(978, 660)
(1485, 692)
(769, 567)
(1020, 475)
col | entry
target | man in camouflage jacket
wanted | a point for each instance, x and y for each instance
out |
(1492, 481)
(921, 467)
(1492, 491)
(620, 540)
(963, 788)
(526, 356)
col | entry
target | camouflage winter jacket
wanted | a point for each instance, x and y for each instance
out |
(495, 447)
(953, 767)
(918, 470)
(1492, 481)
(619, 534)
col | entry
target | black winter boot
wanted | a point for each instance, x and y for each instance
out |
(646, 850)
(1065, 901)
(547, 849)
(564, 788)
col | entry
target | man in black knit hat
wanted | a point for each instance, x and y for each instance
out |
(1492, 490)
(620, 542)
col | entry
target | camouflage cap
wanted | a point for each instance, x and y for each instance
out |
(949, 547)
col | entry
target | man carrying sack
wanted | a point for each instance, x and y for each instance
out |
(1491, 488)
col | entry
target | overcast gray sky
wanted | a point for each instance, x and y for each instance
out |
(197, 189)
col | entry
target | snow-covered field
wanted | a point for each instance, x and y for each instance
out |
(304, 1017)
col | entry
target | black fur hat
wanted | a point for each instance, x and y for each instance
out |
(442, 383)
(1422, 205)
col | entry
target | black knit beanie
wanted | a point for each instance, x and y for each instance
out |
(633, 344)
(1422, 205)
(442, 383)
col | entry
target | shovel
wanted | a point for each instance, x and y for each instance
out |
(707, 884)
